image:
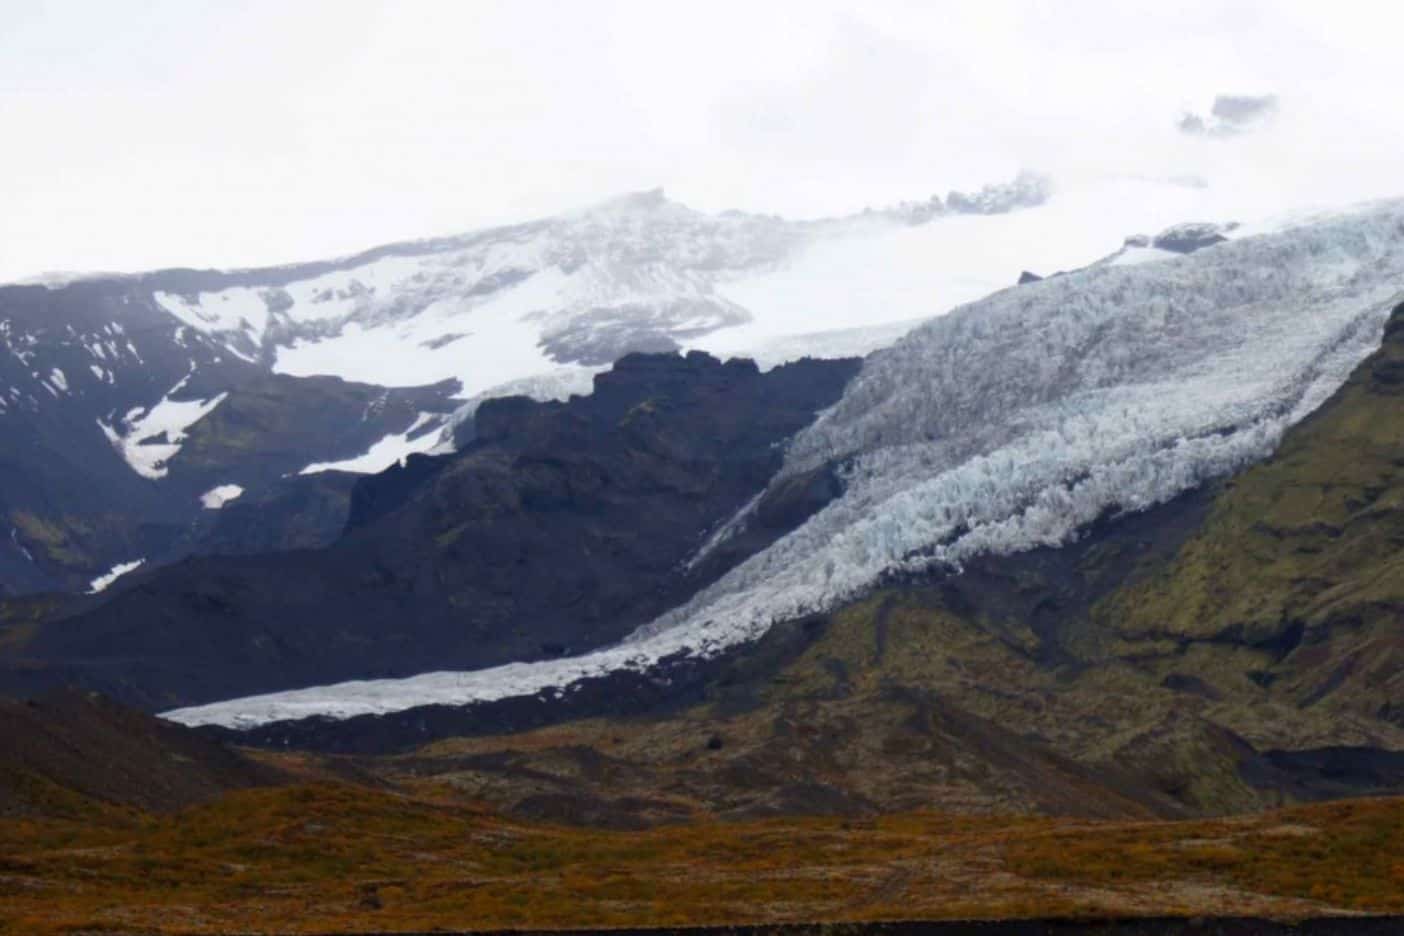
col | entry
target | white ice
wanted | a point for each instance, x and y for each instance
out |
(392, 449)
(102, 582)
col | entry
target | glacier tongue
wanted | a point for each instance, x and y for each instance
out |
(1016, 420)
(1008, 424)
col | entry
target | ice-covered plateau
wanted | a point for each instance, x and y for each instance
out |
(540, 307)
(1010, 423)
(578, 290)
(563, 297)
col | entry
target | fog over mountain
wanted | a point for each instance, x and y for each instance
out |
(287, 135)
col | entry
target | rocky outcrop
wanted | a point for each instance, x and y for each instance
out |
(1025, 191)
(1187, 238)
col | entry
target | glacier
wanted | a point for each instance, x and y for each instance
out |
(1010, 423)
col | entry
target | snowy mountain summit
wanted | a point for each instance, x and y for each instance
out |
(637, 273)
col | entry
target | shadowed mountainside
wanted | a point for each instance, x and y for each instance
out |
(562, 527)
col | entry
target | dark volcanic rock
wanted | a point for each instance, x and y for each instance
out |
(562, 528)
(1187, 238)
(374, 496)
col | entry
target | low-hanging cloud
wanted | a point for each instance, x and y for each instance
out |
(1231, 115)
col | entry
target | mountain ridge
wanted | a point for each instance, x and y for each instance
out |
(1010, 424)
(601, 499)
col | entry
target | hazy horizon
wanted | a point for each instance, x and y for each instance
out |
(184, 134)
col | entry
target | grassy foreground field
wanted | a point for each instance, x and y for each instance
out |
(322, 858)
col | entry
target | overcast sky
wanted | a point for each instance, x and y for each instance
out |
(154, 133)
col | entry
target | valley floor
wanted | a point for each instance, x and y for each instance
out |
(325, 857)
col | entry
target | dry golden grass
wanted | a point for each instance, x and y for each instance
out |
(1348, 854)
(330, 858)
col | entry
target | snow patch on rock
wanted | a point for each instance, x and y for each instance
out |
(217, 497)
(148, 439)
(393, 449)
(102, 582)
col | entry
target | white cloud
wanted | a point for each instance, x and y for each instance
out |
(174, 133)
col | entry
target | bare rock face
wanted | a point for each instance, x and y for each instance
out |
(1026, 190)
(1187, 238)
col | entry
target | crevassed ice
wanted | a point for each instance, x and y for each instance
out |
(1009, 424)
(1018, 419)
